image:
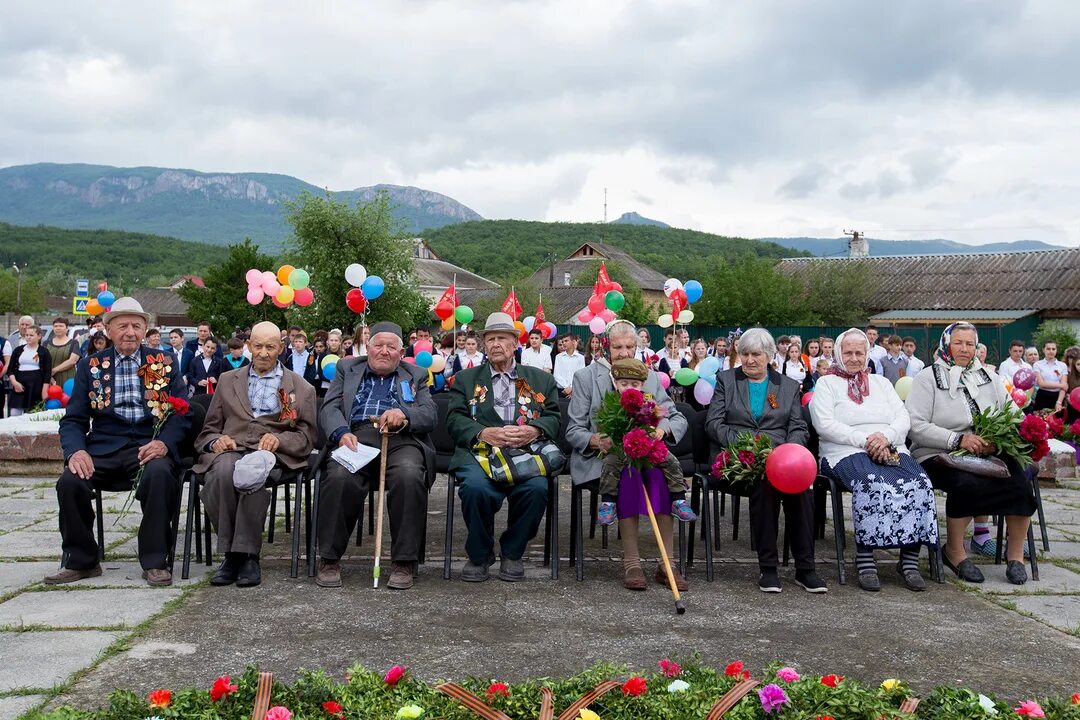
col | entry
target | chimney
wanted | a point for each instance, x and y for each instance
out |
(566, 279)
(858, 246)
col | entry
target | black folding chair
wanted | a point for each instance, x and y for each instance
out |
(1032, 473)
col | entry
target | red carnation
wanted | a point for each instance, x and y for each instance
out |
(1042, 449)
(670, 668)
(736, 670)
(221, 688)
(722, 459)
(1056, 425)
(659, 453)
(334, 709)
(637, 444)
(1075, 699)
(179, 405)
(631, 400)
(832, 680)
(496, 689)
(747, 457)
(159, 698)
(393, 675)
(1033, 429)
(634, 686)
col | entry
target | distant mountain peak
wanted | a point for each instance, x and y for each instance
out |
(632, 218)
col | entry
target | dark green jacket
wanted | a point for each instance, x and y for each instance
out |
(463, 426)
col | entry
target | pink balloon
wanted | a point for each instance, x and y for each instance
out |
(422, 346)
(1019, 397)
(304, 297)
(1074, 398)
(255, 295)
(268, 277)
(703, 391)
(608, 315)
(807, 398)
(271, 288)
(791, 468)
(552, 330)
(665, 380)
(597, 325)
(1024, 379)
(254, 276)
(585, 316)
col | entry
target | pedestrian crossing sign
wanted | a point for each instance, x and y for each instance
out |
(78, 305)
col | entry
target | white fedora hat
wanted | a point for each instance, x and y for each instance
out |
(126, 306)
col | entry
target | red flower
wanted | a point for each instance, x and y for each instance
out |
(747, 457)
(634, 686)
(1075, 427)
(631, 400)
(334, 708)
(670, 668)
(832, 680)
(659, 452)
(824, 717)
(496, 689)
(394, 674)
(637, 444)
(722, 459)
(1056, 424)
(179, 405)
(1033, 429)
(1042, 449)
(736, 670)
(221, 688)
(160, 698)
(1075, 699)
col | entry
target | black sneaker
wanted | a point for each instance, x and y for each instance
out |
(769, 581)
(810, 581)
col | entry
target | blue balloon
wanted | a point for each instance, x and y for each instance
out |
(373, 287)
(53, 404)
(329, 371)
(693, 291)
(708, 367)
(440, 381)
(423, 359)
(105, 298)
(69, 386)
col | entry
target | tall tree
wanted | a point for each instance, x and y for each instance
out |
(30, 299)
(223, 301)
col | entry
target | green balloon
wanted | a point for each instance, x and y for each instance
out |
(614, 300)
(299, 279)
(686, 377)
(464, 314)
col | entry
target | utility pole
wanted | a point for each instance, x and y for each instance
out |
(18, 286)
(552, 258)
(857, 246)
(605, 205)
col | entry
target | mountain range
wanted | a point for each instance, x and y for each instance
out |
(838, 247)
(217, 208)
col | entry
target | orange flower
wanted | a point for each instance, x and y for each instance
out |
(160, 698)
(1075, 699)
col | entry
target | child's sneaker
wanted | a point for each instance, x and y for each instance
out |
(605, 514)
(682, 510)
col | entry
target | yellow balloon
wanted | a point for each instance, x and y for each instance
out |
(903, 386)
(665, 320)
(285, 295)
(448, 323)
(283, 274)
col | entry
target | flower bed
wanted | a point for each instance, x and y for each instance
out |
(604, 692)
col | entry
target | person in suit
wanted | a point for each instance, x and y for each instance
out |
(258, 407)
(589, 387)
(202, 332)
(370, 396)
(503, 404)
(204, 370)
(756, 398)
(180, 351)
(110, 430)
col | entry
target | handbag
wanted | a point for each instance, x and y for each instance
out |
(506, 466)
(990, 467)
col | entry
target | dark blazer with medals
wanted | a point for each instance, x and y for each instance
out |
(729, 412)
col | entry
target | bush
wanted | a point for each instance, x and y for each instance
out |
(1059, 331)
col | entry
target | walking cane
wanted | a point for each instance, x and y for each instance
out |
(382, 500)
(680, 607)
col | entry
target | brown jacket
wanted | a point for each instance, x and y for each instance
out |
(230, 414)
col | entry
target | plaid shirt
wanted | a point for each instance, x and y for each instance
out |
(263, 391)
(128, 399)
(376, 395)
(503, 384)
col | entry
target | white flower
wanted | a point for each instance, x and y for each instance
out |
(987, 705)
(678, 686)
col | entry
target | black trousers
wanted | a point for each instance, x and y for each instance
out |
(158, 494)
(342, 495)
(765, 504)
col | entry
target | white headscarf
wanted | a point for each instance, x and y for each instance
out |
(958, 374)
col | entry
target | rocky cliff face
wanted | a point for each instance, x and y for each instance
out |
(426, 200)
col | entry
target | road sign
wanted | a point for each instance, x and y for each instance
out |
(82, 288)
(78, 305)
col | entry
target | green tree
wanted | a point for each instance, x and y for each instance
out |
(223, 300)
(837, 293)
(57, 281)
(1058, 331)
(330, 235)
(32, 298)
(748, 291)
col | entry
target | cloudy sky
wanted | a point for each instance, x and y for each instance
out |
(904, 120)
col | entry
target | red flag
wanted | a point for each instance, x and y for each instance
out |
(511, 306)
(449, 296)
(540, 312)
(603, 282)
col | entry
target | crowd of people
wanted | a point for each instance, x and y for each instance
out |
(269, 395)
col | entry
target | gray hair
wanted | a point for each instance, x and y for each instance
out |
(621, 327)
(756, 340)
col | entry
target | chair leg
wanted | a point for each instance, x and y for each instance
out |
(360, 519)
(1033, 553)
(422, 555)
(189, 527)
(294, 569)
(547, 526)
(100, 526)
(1042, 515)
(370, 513)
(175, 528)
(288, 515)
(594, 500)
(273, 515)
(695, 505)
(578, 528)
(307, 506)
(722, 504)
(838, 529)
(706, 525)
(682, 548)
(936, 566)
(735, 508)
(198, 526)
(313, 524)
(448, 543)
(1000, 539)
(553, 493)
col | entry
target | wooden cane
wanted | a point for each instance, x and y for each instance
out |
(382, 500)
(680, 607)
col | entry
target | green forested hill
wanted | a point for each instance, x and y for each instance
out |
(501, 249)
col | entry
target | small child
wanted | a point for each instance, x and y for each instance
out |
(236, 357)
(822, 369)
(626, 374)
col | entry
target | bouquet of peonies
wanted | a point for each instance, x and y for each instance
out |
(742, 464)
(1022, 437)
(630, 419)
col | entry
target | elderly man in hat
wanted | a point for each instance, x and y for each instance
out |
(109, 433)
(262, 417)
(504, 405)
(369, 396)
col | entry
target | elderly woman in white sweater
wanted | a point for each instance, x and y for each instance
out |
(862, 426)
(942, 401)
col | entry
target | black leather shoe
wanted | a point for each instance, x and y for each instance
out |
(912, 579)
(966, 570)
(1015, 572)
(869, 581)
(249, 574)
(226, 574)
(511, 570)
(474, 573)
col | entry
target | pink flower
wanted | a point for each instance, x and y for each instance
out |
(278, 712)
(631, 400)
(637, 444)
(1030, 708)
(747, 458)
(1075, 427)
(772, 698)
(659, 452)
(1034, 429)
(648, 414)
(670, 668)
(393, 675)
(787, 674)
(1041, 450)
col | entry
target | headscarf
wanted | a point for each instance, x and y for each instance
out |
(858, 383)
(958, 374)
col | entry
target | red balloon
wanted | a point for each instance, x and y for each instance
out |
(1074, 398)
(806, 398)
(585, 316)
(596, 304)
(678, 302)
(355, 300)
(444, 310)
(616, 286)
(280, 304)
(55, 392)
(64, 400)
(791, 468)
(103, 286)
(304, 297)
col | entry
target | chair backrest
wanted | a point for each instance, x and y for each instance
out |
(440, 436)
(564, 423)
(703, 457)
(199, 405)
(684, 449)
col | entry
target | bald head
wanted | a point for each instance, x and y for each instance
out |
(265, 345)
(266, 329)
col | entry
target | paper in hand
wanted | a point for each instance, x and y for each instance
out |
(353, 460)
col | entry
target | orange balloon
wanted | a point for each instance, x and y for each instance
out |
(283, 274)
(94, 307)
(520, 326)
(448, 323)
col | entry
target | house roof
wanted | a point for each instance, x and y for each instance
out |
(160, 301)
(561, 304)
(948, 316)
(645, 277)
(439, 274)
(1032, 281)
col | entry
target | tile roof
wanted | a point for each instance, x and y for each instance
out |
(645, 277)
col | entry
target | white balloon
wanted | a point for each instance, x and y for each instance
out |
(355, 274)
(665, 320)
(671, 285)
(686, 316)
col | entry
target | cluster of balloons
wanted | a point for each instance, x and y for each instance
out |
(287, 286)
(1022, 388)
(424, 356)
(449, 315)
(365, 288)
(703, 379)
(100, 304)
(329, 366)
(682, 296)
(526, 326)
(57, 397)
(606, 300)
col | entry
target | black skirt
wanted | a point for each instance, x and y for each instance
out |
(967, 494)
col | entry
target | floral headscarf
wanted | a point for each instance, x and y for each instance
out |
(958, 374)
(858, 383)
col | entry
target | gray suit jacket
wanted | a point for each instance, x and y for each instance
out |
(337, 406)
(729, 412)
(589, 386)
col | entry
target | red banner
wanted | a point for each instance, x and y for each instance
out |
(449, 296)
(511, 306)
(603, 282)
(540, 313)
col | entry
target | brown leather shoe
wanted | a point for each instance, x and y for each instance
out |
(634, 579)
(661, 577)
(67, 575)
(157, 577)
(329, 574)
(401, 577)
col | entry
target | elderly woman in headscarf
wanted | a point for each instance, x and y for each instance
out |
(862, 426)
(941, 405)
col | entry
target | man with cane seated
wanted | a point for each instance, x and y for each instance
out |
(262, 416)
(367, 397)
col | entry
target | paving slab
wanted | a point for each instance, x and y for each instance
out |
(85, 608)
(9, 522)
(1052, 579)
(1061, 611)
(13, 707)
(32, 506)
(16, 575)
(1062, 549)
(128, 573)
(47, 659)
(28, 544)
